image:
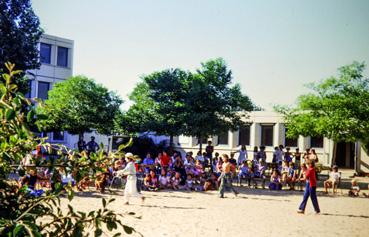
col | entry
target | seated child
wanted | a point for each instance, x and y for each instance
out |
(291, 177)
(189, 183)
(211, 183)
(355, 189)
(259, 172)
(244, 172)
(154, 180)
(199, 167)
(101, 181)
(275, 181)
(164, 180)
(176, 180)
(148, 184)
(332, 181)
(284, 171)
(302, 176)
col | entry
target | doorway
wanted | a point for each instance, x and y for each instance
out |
(345, 155)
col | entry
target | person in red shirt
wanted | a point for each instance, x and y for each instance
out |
(310, 190)
(164, 160)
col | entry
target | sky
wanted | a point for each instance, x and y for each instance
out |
(273, 47)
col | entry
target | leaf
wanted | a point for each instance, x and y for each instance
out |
(17, 230)
(129, 230)
(30, 115)
(10, 114)
(104, 202)
(98, 232)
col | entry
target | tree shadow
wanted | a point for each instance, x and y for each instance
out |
(172, 207)
(345, 215)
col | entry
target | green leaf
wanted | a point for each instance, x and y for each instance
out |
(9, 114)
(98, 232)
(129, 230)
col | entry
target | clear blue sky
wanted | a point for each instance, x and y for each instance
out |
(272, 47)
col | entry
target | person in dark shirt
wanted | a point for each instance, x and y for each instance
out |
(92, 146)
(81, 144)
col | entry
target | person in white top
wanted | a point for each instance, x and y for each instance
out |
(243, 155)
(332, 181)
(130, 171)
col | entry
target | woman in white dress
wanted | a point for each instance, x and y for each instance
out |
(131, 188)
(243, 154)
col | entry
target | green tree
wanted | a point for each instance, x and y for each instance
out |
(78, 105)
(337, 108)
(213, 105)
(20, 33)
(159, 104)
(21, 214)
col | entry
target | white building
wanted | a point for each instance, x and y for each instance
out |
(56, 57)
(267, 128)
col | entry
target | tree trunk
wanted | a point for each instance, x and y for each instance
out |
(171, 141)
(80, 136)
(200, 142)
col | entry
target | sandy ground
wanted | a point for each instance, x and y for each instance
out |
(252, 213)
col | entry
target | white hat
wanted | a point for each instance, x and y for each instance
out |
(129, 155)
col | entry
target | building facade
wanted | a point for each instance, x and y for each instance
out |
(56, 57)
(268, 129)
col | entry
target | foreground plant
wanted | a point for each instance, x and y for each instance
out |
(24, 215)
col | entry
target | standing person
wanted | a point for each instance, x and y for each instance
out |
(261, 154)
(131, 186)
(92, 146)
(209, 153)
(81, 144)
(297, 156)
(226, 177)
(243, 155)
(310, 190)
(313, 156)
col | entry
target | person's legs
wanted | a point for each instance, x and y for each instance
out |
(230, 185)
(314, 199)
(305, 198)
(221, 187)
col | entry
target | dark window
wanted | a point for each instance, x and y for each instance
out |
(204, 140)
(316, 142)
(29, 89)
(43, 88)
(223, 138)
(62, 57)
(244, 136)
(58, 136)
(291, 142)
(267, 135)
(45, 53)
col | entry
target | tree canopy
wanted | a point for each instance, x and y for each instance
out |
(337, 108)
(78, 105)
(20, 33)
(174, 102)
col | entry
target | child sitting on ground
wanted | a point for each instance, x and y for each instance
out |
(211, 183)
(164, 180)
(355, 189)
(189, 183)
(334, 177)
(244, 172)
(176, 181)
(275, 181)
(291, 177)
(284, 171)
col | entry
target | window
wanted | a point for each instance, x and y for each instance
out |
(316, 142)
(267, 135)
(223, 138)
(43, 88)
(58, 136)
(45, 53)
(62, 60)
(204, 140)
(244, 136)
(291, 142)
(29, 89)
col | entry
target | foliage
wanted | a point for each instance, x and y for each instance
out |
(338, 108)
(78, 105)
(20, 33)
(24, 215)
(174, 102)
(213, 106)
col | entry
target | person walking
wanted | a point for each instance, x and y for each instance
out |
(131, 188)
(226, 177)
(310, 190)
